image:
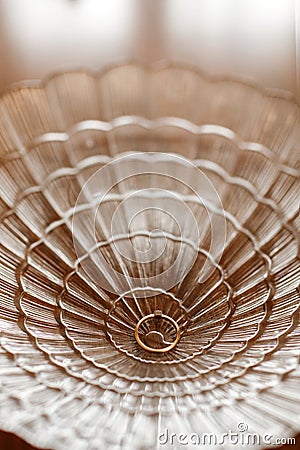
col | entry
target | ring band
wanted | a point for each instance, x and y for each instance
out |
(155, 315)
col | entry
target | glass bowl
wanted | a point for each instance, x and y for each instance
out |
(149, 267)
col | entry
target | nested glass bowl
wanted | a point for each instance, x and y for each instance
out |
(149, 268)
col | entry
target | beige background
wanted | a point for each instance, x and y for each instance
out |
(253, 38)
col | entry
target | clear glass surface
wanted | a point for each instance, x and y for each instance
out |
(148, 205)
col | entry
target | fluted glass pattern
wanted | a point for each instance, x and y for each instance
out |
(74, 275)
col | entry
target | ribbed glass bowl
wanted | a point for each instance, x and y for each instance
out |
(149, 261)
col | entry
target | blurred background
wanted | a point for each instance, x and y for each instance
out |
(253, 39)
(256, 39)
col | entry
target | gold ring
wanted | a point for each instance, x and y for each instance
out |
(157, 315)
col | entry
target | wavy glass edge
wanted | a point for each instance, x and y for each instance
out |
(163, 64)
